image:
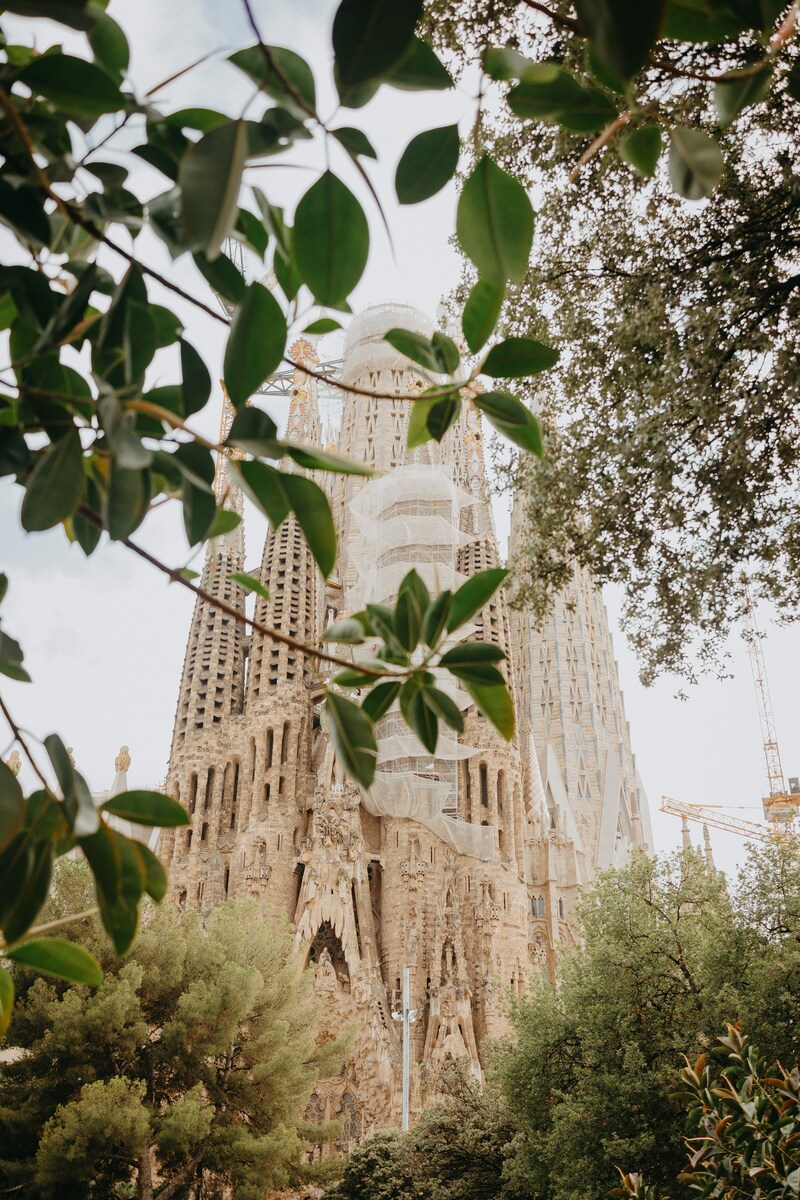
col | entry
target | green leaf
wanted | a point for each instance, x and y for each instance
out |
(443, 414)
(482, 673)
(435, 620)
(252, 232)
(331, 239)
(418, 431)
(695, 163)
(255, 431)
(196, 465)
(6, 1001)
(126, 448)
(121, 876)
(280, 73)
(446, 351)
(517, 357)
(622, 31)
(481, 313)
(78, 802)
(250, 584)
(545, 93)
(256, 344)
(264, 486)
(310, 505)
(64, 960)
(469, 653)
(155, 877)
(22, 211)
(314, 459)
(323, 325)
(74, 13)
(428, 162)
(201, 119)
(378, 702)
(503, 63)
(445, 707)
(223, 276)
(372, 36)
(421, 717)
(12, 806)
(56, 485)
(127, 501)
(73, 84)
(732, 95)
(349, 632)
(793, 82)
(420, 69)
(698, 21)
(512, 418)
(353, 678)
(30, 894)
(11, 659)
(408, 619)
(382, 621)
(494, 223)
(196, 381)
(495, 703)
(225, 521)
(353, 738)
(414, 346)
(210, 177)
(109, 45)
(148, 808)
(642, 149)
(355, 141)
(473, 595)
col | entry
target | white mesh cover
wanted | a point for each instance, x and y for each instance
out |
(411, 518)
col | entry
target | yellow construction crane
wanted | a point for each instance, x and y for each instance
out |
(710, 817)
(781, 806)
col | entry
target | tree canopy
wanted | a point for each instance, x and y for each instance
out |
(672, 459)
(195, 1058)
(670, 955)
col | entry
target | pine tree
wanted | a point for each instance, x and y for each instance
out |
(195, 1058)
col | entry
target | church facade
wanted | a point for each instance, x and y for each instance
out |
(467, 867)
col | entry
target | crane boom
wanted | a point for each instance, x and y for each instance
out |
(708, 816)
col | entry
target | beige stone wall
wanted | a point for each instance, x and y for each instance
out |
(273, 817)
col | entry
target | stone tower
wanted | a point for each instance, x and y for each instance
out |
(463, 867)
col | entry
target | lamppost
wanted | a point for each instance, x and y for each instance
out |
(408, 1016)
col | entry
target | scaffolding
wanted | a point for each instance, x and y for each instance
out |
(411, 518)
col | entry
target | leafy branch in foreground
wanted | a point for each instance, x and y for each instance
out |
(745, 1123)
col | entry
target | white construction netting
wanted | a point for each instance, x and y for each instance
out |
(411, 518)
(364, 347)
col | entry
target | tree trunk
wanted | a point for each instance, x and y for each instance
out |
(145, 1175)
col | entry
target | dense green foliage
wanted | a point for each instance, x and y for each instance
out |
(669, 957)
(458, 1150)
(673, 455)
(195, 1056)
(590, 1085)
(744, 1125)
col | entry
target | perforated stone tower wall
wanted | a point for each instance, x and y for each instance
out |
(369, 889)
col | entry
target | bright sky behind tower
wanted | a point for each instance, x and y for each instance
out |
(104, 641)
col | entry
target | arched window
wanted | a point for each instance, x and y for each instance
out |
(501, 790)
(541, 906)
(561, 908)
(484, 776)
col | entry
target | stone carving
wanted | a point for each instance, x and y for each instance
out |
(123, 760)
(371, 894)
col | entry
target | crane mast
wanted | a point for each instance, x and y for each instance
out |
(780, 806)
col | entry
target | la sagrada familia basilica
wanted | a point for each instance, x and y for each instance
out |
(465, 867)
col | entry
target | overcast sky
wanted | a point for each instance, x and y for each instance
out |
(104, 640)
